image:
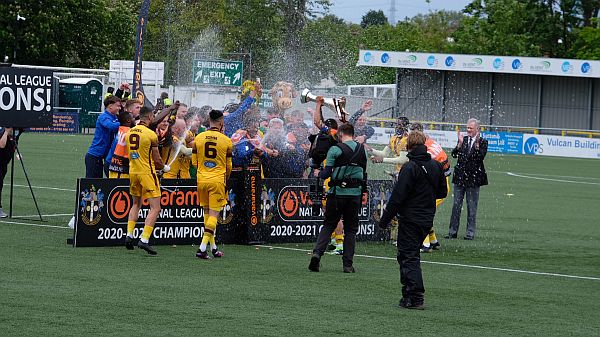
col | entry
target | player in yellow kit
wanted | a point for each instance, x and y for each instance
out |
(144, 159)
(213, 159)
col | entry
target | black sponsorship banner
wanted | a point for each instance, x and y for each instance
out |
(258, 211)
(26, 98)
(103, 207)
(62, 122)
(285, 212)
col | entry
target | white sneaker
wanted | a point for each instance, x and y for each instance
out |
(2, 214)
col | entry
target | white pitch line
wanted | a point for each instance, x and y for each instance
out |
(43, 215)
(456, 265)
(32, 224)
(47, 188)
(549, 179)
(547, 175)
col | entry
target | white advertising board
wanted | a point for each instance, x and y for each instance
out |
(512, 143)
(153, 73)
(480, 63)
(575, 147)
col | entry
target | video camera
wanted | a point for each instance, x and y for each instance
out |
(316, 194)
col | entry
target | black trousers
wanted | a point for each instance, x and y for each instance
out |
(336, 208)
(93, 166)
(3, 169)
(410, 239)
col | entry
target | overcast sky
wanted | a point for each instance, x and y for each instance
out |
(353, 10)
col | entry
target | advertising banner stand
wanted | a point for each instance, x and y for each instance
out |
(258, 211)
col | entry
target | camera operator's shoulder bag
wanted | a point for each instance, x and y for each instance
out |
(349, 158)
(320, 144)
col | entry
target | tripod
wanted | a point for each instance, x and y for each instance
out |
(12, 176)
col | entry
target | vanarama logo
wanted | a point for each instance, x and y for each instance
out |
(542, 66)
(408, 60)
(475, 63)
(253, 197)
(294, 204)
(119, 205)
(289, 203)
(91, 204)
(179, 204)
(450, 62)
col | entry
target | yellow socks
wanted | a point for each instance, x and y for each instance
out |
(146, 234)
(426, 241)
(210, 227)
(130, 228)
(432, 237)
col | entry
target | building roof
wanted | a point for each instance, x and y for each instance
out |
(79, 80)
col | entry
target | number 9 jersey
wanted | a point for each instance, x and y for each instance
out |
(213, 156)
(140, 141)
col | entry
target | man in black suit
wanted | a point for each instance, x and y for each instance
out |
(469, 175)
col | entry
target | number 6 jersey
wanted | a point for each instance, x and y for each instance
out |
(213, 155)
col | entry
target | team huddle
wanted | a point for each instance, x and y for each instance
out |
(212, 157)
(146, 145)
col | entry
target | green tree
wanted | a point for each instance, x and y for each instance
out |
(67, 32)
(436, 27)
(587, 45)
(508, 27)
(329, 48)
(373, 18)
(295, 13)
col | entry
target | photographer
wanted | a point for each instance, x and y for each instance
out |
(420, 182)
(346, 165)
(7, 151)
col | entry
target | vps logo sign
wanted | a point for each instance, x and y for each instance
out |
(533, 146)
(385, 58)
(585, 68)
(516, 64)
(368, 57)
(449, 62)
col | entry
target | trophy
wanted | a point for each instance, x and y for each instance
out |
(338, 105)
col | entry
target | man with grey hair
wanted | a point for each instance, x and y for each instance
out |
(469, 175)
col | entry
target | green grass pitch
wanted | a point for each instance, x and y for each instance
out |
(544, 219)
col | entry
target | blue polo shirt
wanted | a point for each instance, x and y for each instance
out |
(107, 126)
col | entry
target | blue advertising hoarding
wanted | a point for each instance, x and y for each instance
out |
(504, 142)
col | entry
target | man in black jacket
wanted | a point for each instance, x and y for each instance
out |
(420, 182)
(469, 175)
